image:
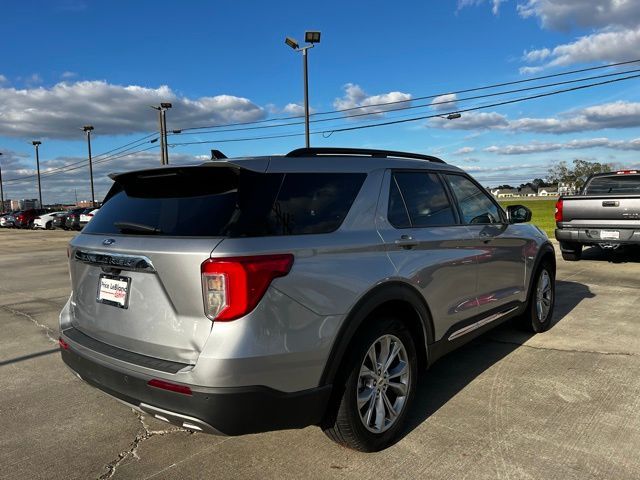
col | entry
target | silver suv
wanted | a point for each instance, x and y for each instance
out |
(253, 294)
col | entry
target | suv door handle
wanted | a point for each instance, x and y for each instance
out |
(406, 242)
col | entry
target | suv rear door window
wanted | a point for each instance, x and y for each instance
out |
(425, 199)
(475, 205)
(222, 201)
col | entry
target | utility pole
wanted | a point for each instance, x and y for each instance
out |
(311, 38)
(162, 120)
(36, 144)
(88, 129)
(1, 191)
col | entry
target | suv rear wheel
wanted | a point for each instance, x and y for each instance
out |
(380, 386)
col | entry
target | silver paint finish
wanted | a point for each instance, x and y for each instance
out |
(285, 342)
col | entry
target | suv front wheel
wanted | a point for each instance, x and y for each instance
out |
(379, 388)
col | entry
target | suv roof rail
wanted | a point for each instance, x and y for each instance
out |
(333, 151)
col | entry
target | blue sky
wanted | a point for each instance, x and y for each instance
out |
(66, 63)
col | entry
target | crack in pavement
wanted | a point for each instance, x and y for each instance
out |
(48, 330)
(132, 451)
(568, 350)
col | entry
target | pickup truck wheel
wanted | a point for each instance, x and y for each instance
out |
(379, 388)
(539, 313)
(571, 252)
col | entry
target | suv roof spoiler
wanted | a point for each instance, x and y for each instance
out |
(335, 151)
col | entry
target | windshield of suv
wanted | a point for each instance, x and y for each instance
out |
(617, 185)
(222, 201)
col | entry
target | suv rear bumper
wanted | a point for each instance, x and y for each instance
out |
(592, 236)
(223, 411)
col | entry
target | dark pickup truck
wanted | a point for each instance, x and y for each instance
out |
(606, 213)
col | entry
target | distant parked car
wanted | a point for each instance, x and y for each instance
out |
(59, 221)
(45, 220)
(8, 220)
(73, 218)
(87, 216)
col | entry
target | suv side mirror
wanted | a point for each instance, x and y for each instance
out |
(518, 214)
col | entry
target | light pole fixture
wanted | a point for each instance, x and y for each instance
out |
(162, 118)
(451, 116)
(37, 144)
(311, 38)
(88, 129)
(1, 191)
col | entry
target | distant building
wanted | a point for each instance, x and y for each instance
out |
(84, 204)
(513, 192)
(548, 191)
(6, 206)
(567, 189)
(15, 205)
(29, 203)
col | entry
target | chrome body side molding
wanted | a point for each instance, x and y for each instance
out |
(480, 323)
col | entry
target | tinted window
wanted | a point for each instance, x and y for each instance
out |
(397, 212)
(218, 201)
(313, 203)
(475, 205)
(618, 185)
(425, 199)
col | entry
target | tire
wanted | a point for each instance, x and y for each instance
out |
(48, 226)
(366, 428)
(539, 314)
(571, 252)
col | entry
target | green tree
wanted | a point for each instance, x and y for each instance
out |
(562, 172)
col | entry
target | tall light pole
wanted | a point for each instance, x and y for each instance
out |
(311, 38)
(1, 191)
(162, 120)
(36, 144)
(88, 129)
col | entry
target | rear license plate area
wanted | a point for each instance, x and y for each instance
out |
(609, 235)
(114, 290)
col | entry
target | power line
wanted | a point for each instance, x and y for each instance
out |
(412, 107)
(425, 97)
(102, 157)
(413, 119)
(58, 172)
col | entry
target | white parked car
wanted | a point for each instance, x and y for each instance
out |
(45, 221)
(7, 220)
(86, 216)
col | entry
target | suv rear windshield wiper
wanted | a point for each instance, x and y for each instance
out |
(136, 227)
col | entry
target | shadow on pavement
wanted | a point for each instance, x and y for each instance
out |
(623, 254)
(456, 370)
(28, 357)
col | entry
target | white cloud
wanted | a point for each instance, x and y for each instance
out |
(540, 147)
(33, 79)
(61, 187)
(445, 102)
(495, 4)
(59, 111)
(3, 79)
(566, 14)
(618, 114)
(356, 98)
(464, 151)
(67, 75)
(610, 45)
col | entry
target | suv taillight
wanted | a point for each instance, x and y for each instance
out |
(559, 210)
(233, 286)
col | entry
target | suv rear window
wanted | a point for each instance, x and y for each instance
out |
(222, 201)
(616, 185)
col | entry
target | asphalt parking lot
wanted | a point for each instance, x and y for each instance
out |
(561, 405)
